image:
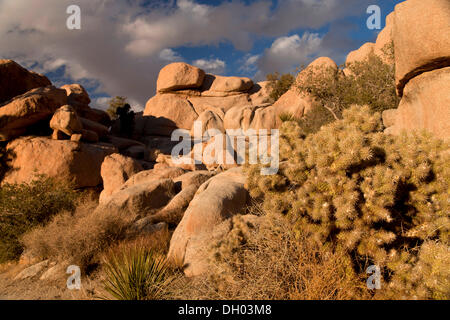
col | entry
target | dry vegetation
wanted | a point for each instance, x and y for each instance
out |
(271, 261)
(79, 237)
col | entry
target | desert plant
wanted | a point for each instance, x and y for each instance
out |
(369, 82)
(80, 237)
(136, 273)
(268, 260)
(350, 186)
(114, 104)
(279, 84)
(27, 205)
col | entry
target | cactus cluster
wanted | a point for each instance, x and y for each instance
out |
(385, 199)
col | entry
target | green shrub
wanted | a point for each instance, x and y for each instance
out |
(279, 84)
(27, 205)
(370, 82)
(136, 274)
(378, 196)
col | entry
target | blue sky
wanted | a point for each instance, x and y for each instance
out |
(123, 44)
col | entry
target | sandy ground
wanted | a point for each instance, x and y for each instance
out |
(36, 289)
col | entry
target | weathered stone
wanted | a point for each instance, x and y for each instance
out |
(421, 38)
(426, 104)
(74, 163)
(179, 75)
(76, 94)
(28, 109)
(216, 200)
(16, 80)
(142, 199)
(101, 130)
(65, 119)
(116, 169)
(32, 271)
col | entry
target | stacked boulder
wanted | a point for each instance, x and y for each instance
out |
(30, 108)
(422, 67)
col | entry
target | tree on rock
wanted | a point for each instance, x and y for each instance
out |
(114, 104)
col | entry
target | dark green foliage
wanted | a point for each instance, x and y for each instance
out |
(279, 84)
(126, 119)
(25, 206)
(378, 196)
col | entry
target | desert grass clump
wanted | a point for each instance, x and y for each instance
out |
(27, 205)
(379, 197)
(79, 237)
(268, 260)
(135, 273)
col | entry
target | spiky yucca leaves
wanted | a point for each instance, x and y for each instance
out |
(136, 274)
(376, 195)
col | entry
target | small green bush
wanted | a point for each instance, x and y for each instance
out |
(25, 206)
(380, 197)
(279, 84)
(370, 82)
(136, 274)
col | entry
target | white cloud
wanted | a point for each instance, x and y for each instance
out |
(249, 63)
(122, 45)
(101, 103)
(287, 53)
(215, 66)
(170, 55)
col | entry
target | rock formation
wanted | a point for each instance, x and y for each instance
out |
(422, 61)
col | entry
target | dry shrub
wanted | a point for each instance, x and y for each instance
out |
(27, 205)
(271, 261)
(79, 237)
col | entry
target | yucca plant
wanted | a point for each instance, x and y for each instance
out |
(136, 274)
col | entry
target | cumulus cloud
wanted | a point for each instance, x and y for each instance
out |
(122, 45)
(170, 55)
(215, 66)
(249, 63)
(287, 53)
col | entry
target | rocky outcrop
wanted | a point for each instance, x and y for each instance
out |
(66, 120)
(260, 93)
(218, 84)
(76, 95)
(178, 76)
(75, 163)
(28, 109)
(421, 38)
(425, 105)
(16, 80)
(143, 198)
(422, 61)
(171, 111)
(115, 171)
(186, 93)
(216, 200)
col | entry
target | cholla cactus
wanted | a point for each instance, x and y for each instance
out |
(350, 185)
